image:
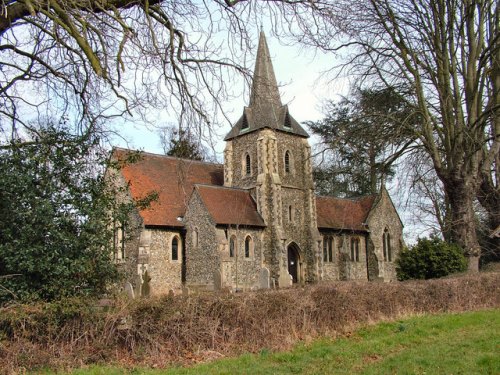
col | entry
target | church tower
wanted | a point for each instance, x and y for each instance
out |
(267, 152)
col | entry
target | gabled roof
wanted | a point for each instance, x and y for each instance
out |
(230, 206)
(172, 178)
(338, 213)
(265, 109)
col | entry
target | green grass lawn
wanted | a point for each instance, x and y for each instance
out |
(455, 344)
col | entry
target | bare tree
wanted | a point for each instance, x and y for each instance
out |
(448, 52)
(95, 60)
(426, 198)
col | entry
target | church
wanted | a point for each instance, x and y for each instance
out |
(255, 221)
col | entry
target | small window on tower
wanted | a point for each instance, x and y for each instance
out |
(244, 123)
(248, 167)
(287, 162)
(288, 123)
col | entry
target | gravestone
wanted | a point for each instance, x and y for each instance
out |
(264, 278)
(146, 288)
(285, 279)
(129, 290)
(217, 280)
(138, 285)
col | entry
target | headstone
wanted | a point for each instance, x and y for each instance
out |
(138, 285)
(171, 293)
(285, 279)
(273, 282)
(217, 280)
(264, 278)
(226, 274)
(129, 290)
(146, 288)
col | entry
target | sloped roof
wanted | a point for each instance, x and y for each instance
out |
(172, 178)
(230, 205)
(265, 109)
(338, 213)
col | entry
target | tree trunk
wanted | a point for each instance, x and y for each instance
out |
(461, 196)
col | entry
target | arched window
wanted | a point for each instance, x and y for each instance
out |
(248, 166)
(355, 249)
(328, 249)
(248, 246)
(175, 248)
(232, 246)
(290, 213)
(287, 161)
(119, 240)
(386, 243)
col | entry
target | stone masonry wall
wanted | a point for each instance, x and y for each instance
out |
(240, 272)
(241, 146)
(127, 265)
(383, 216)
(165, 273)
(342, 266)
(202, 255)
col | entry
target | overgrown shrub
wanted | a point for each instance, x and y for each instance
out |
(160, 331)
(430, 258)
(57, 215)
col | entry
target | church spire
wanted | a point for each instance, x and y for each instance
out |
(265, 109)
(264, 86)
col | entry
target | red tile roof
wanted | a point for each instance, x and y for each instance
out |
(230, 205)
(338, 213)
(171, 178)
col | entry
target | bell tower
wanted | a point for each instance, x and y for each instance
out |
(268, 153)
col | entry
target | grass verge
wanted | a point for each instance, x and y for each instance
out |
(466, 343)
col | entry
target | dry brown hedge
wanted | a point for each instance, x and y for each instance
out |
(161, 331)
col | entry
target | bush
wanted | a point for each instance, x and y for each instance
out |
(166, 330)
(429, 259)
(55, 222)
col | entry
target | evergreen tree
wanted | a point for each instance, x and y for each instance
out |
(362, 136)
(55, 217)
(180, 143)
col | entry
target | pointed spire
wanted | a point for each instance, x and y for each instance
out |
(265, 109)
(264, 86)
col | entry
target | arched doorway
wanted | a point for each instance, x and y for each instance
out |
(294, 262)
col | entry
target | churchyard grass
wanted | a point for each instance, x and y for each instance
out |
(465, 343)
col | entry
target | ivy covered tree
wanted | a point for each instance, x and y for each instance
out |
(430, 258)
(55, 217)
(361, 137)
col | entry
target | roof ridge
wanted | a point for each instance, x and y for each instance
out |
(168, 156)
(223, 187)
(354, 199)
